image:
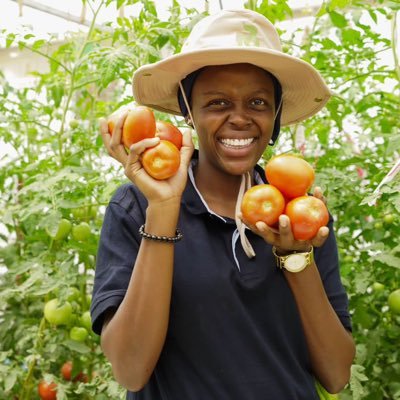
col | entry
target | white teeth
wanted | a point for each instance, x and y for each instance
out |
(237, 142)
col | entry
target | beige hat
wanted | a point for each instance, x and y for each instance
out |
(230, 37)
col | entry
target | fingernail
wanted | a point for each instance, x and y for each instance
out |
(283, 222)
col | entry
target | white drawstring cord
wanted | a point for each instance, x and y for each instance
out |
(245, 184)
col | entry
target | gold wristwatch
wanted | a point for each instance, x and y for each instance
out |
(294, 262)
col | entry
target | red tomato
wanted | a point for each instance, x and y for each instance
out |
(291, 174)
(307, 214)
(66, 372)
(167, 131)
(139, 124)
(262, 203)
(47, 391)
(161, 161)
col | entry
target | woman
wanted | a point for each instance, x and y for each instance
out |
(205, 317)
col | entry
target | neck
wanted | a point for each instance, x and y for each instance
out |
(220, 191)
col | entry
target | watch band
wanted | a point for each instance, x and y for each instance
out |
(295, 261)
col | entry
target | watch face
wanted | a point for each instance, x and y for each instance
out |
(296, 262)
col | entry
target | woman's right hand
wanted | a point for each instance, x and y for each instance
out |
(154, 190)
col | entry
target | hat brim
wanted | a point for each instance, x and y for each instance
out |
(304, 90)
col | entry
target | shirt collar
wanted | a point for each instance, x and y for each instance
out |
(192, 198)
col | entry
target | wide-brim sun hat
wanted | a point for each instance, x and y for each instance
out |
(233, 37)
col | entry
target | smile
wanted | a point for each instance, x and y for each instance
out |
(237, 143)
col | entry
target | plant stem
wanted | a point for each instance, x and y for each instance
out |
(72, 82)
(26, 390)
(394, 45)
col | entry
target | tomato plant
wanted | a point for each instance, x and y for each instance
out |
(161, 161)
(168, 131)
(262, 203)
(47, 391)
(307, 214)
(291, 174)
(139, 124)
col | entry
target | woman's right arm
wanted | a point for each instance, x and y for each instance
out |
(132, 338)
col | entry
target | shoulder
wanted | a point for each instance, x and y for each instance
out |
(129, 198)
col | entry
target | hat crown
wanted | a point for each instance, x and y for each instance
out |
(233, 29)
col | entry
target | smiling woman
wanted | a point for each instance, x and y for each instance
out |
(183, 309)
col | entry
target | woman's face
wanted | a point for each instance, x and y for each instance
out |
(233, 110)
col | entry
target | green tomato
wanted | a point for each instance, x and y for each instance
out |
(73, 294)
(388, 219)
(378, 287)
(81, 232)
(63, 230)
(86, 321)
(78, 334)
(58, 314)
(73, 124)
(378, 225)
(394, 301)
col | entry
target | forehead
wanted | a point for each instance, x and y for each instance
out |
(221, 75)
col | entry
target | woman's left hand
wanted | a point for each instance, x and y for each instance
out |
(282, 238)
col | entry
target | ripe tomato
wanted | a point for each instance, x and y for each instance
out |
(161, 161)
(68, 373)
(262, 203)
(139, 124)
(307, 214)
(47, 391)
(291, 174)
(167, 131)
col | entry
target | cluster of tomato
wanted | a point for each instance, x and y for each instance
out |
(161, 161)
(48, 390)
(289, 177)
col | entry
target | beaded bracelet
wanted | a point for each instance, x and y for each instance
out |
(166, 239)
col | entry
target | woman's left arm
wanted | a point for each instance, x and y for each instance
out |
(330, 345)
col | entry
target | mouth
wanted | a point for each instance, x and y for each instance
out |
(237, 143)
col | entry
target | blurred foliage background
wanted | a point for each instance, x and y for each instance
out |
(57, 180)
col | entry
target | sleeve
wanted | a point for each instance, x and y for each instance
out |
(327, 260)
(116, 256)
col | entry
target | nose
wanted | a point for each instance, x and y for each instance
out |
(239, 118)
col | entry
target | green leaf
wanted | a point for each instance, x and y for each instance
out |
(337, 19)
(77, 346)
(388, 259)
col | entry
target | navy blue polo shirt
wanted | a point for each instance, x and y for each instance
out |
(234, 331)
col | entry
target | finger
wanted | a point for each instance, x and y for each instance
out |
(266, 232)
(139, 147)
(319, 194)
(285, 230)
(320, 237)
(117, 131)
(105, 136)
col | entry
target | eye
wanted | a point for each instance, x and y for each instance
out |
(258, 102)
(218, 103)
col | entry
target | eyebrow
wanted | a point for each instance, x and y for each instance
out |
(220, 93)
